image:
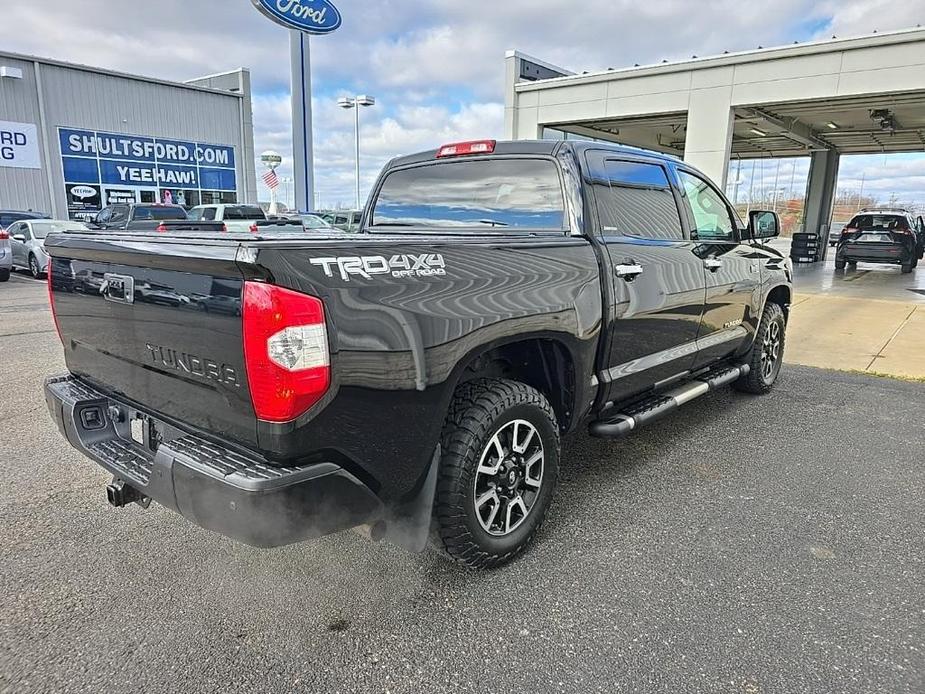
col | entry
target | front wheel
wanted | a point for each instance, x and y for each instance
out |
(4, 275)
(498, 472)
(34, 268)
(767, 354)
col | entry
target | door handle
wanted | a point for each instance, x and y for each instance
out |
(712, 264)
(627, 271)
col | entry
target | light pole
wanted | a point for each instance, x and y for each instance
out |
(272, 160)
(355, 103)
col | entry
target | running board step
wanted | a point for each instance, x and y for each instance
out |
(658, 406)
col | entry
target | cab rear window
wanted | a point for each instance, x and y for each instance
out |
(479, 194)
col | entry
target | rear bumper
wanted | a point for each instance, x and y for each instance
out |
(875, 253)
(214, 487)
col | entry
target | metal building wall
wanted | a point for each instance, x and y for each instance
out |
(87, 99)
(239, 81)
(22, 189)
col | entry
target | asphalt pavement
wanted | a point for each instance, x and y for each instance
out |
(745, 545)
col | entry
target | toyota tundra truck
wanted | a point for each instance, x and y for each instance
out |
(414, 380)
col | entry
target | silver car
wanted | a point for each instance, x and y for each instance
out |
(27, 239)
(6, 256)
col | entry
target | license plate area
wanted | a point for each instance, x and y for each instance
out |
(876, 238)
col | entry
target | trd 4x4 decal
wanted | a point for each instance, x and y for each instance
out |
(398, 266)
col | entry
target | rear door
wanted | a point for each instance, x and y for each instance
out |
(657, 279)
(732, 269)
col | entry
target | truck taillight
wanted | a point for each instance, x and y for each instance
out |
(285, 351)
(51, 298)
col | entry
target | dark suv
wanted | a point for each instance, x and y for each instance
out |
(891, 236)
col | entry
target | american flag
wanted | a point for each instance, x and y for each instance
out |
(271, 179)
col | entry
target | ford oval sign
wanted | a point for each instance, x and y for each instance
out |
(308, 16)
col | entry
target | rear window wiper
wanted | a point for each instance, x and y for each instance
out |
(494, 222)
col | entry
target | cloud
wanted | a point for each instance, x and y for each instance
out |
(435, 67)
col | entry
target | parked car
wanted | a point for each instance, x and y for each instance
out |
(891, 236)
(151, 217)
(244, 218)
(7, 217)
(345, 220)
(27, 241)
(6, 256)
(416, 378)
(314, 222)
(835, 230)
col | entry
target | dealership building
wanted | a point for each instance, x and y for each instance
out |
(75, 138)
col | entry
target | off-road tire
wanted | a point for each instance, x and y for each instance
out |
(757, 381)
(479, 410)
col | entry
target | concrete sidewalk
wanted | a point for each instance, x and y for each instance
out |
(858, 334)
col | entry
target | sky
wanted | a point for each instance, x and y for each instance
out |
(436, 67)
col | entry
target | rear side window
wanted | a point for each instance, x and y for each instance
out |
(243, 212)
(635, 199)
(483, 194)
(143, 213)
(879, 222)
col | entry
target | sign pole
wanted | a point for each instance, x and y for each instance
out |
(303, 158)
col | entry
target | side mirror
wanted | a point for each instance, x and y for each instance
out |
(19, 237)
(763, 224)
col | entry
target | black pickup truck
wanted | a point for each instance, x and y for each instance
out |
(151, 217)
(414, 379)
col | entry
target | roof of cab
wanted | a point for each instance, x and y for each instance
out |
(540, 147)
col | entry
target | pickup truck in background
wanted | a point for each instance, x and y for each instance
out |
(244, 218)
(150, 217)
(415, 378)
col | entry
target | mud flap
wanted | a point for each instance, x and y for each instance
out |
(408, 525)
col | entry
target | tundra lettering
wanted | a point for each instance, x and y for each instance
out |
(193, 364)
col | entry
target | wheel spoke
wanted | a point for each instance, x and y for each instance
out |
(495, 444)
(533, 481)
(490, 495)
(515, 503)
(522, 447)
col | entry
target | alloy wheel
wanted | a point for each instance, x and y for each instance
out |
(509, 478)
(771, 351)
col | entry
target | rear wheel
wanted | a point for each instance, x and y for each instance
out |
(907, 267)
(767, 354)
(840, 264)
(4, 275)
(498, 472)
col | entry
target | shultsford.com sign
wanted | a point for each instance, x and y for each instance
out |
(19, 145)
(309, 16)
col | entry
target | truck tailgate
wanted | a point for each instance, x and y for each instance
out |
(158, 322)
